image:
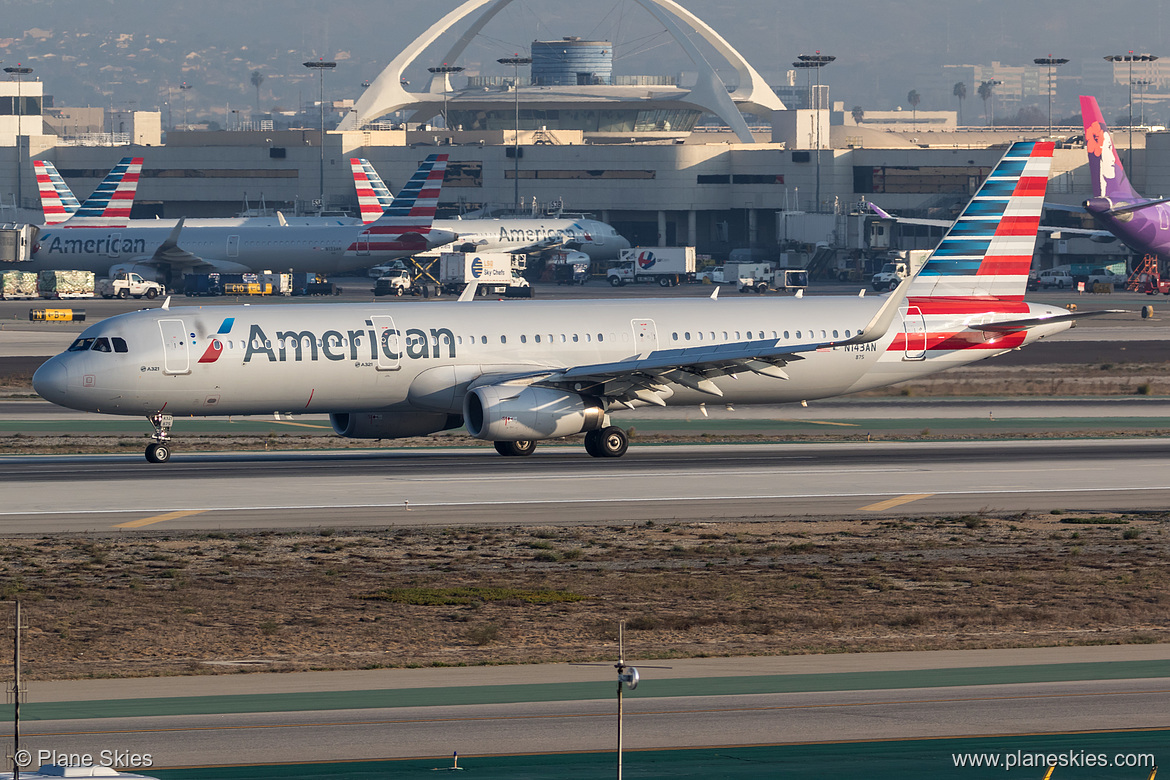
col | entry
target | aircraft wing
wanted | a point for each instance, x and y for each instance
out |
(943, 223)
(645, 377)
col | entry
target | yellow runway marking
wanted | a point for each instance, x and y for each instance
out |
(299, 425)
(890, 503)
(823, 422)
(160, 518)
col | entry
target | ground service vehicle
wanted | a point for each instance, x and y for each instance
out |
(128, 285)
(750, 277)
(901, 266)
(666, 265)
(1058, 278)
(396, 282)
(495, 273)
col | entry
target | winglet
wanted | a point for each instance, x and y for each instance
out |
(166, 305)
(468, 293)
(715, 293)
(879, 211)
(877, 327)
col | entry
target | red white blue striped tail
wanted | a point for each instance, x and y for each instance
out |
(372, 193)
(110, 203)
(987, 252)
(406, 222)
(57, 201)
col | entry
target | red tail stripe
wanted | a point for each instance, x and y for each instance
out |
(1018, 226)
(1031, 186)
(1004, 266)
(968, 305)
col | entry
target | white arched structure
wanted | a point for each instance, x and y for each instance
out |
(386, 93)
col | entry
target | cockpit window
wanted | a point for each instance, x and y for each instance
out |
(101, 345)
(81, 345)
(119, 344)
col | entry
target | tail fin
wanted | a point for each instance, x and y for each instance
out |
(1109, 179)
(405, 226)
(987, 252)
(372, 193)
(110, 203)
(57, 201)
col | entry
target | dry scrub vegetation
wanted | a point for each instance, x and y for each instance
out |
(151, 604)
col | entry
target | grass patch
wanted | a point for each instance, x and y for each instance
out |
(441, 597)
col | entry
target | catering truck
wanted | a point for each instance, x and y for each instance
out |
(495, 273)
(666, 265)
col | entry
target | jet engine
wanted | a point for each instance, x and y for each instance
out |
(391, 425)
(526, 413)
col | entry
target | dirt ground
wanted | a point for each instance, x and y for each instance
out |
(160, 604)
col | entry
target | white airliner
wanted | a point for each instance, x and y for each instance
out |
(521, 372)
(162, 252)
(516, 235)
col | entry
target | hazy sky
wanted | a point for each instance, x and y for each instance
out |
(881, 46)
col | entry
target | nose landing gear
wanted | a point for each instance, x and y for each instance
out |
(159, 451)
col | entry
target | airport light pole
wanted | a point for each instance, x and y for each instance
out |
(446, 71)
(816, 61)
(17, 71)
(183, 91)
(516, 61)
(1051, 62)
(1130, 58)
(1142, 84)
(321, 65)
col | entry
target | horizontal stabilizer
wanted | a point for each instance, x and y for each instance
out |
(1013, 326)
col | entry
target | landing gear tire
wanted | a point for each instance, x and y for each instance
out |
(515, 449)
(157, 452)
(611, 442)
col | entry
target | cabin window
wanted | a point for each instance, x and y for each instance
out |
(761, 334)
(698, 335)
(725, 335)
(798, 334)
(537, 338)
(575, 339)
(81, 345)
(523, 339)
(687, 335)
(674, 336)
(785, 334)
(625, 336)
(563, 339)
(503, 339)
(459, 340)
(846, 333)
(599, 337)
(483, 339)
(774, 335)
(824, 335)
(589, 337)
(834, 334)
(102, 345)
(737, 336)
(712, 335)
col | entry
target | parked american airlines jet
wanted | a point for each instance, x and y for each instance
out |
(1143, 224)
(519, 373)
(511, 234)
(165, 253)
(108, 206)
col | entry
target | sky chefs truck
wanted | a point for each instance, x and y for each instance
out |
(496, 273)
(666, 265)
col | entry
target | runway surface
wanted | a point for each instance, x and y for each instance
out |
(567, 709)
(563, 485)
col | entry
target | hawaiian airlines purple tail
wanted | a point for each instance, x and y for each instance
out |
(1109, 179)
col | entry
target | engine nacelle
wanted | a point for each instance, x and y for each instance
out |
(391, 425)
(517, 413)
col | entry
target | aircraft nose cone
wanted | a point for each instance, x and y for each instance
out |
(51, 380)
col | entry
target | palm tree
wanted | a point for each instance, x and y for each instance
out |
(257, 79)
(984, 93)
(858, 114)
(960, 91)
(913, 98)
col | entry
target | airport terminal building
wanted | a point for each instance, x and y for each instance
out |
(701, 163)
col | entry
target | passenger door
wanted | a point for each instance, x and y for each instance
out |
(389, 341)
(645, 337)
(914, 329)
(176, 351)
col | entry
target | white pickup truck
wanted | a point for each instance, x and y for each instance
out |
(128, 285)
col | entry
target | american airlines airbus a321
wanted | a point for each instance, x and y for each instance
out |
(515, 373)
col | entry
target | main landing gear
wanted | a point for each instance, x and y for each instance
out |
(159, 451)
(609, 442)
